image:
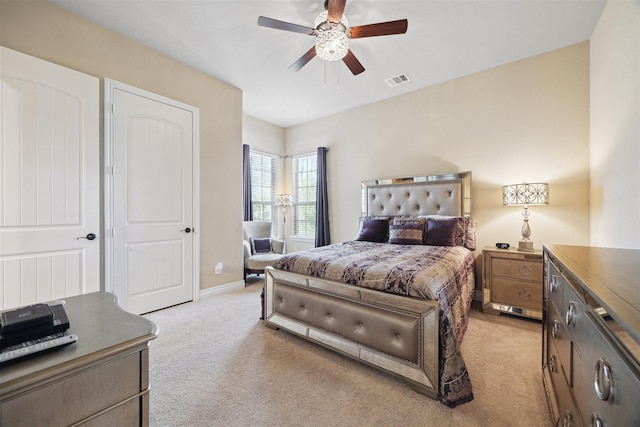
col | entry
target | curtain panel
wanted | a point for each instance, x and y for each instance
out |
(247, 207)
(323, 237)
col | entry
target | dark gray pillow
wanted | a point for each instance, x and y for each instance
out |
(374, 230)
(442, 232)
(261, 246)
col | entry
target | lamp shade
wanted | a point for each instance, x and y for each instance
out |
(525, 194)
(282, 200)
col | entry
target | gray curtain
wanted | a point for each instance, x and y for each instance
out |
(247, 208)
(323, 237)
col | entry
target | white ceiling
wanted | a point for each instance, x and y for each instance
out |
(446, 39)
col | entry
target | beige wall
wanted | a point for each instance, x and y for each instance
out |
(524, 121)
(46, 31)
(615, 126)
(262, 136)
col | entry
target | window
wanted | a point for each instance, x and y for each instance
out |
(263, 185)
(305, 176)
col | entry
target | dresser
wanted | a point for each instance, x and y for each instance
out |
(101, 380)
(591, 335)
(512, 282)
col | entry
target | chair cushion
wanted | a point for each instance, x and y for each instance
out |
(260, 261)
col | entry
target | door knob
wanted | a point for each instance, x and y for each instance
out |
(89, 236)
(187, 230)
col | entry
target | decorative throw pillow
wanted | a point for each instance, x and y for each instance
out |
(373, 230)
(261, 246)
(406, 234)
(470, 234)
(421, 221)
(442, 232)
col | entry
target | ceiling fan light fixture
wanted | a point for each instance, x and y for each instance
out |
(332, 45)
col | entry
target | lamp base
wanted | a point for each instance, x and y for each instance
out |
(525, 246)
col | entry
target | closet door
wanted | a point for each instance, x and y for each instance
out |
(49, 181)
(151, 207)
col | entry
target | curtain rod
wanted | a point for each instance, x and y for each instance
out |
(297, 155)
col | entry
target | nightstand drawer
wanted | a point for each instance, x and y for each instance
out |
(517, 269)
(516, 293)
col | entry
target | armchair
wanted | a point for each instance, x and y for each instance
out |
(260, 249)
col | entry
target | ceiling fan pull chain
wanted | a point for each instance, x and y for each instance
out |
(325, 73)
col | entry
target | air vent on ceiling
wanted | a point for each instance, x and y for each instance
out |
(397, 80)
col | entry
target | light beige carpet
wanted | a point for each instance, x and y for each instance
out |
(216, 364)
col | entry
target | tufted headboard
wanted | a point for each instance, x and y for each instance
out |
(448, 194)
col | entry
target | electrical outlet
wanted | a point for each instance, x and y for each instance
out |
(219, 268)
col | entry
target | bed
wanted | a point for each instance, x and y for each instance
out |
(397, 301)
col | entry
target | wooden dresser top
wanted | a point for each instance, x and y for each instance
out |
(611, 276)
(104, 329)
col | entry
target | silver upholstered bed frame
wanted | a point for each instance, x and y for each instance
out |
(382, 330)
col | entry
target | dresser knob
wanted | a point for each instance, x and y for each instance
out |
(555, 331)
(568, 419)
(603, 381)
(553, 284)
(570, 316)
(596, 421)
(552, 364)
(524, 294)
(524, 270)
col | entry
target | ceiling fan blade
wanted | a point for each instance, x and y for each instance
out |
(379, 29)
(335, 10)
(308, 56)
(263, 21)
(352, 63)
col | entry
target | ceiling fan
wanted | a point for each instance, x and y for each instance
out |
(332, 35)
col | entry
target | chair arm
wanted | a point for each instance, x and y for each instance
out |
(247, 248)
(277, 245)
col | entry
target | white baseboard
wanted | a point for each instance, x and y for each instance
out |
(222, 289)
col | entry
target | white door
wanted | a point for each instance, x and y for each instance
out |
(154, 243)
(49, 173)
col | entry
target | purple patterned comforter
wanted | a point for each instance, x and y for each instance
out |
(441, 273)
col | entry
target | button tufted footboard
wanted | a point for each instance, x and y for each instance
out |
(398, 335)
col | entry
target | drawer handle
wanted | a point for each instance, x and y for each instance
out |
(570, 316)
(603, 381)
(552, 364)
(596, 421)
(555, 331)
(567, 421)
(524, 270)
(524, 294)
(553, 284)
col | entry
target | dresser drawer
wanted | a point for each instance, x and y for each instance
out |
(78, 396)
(517, 269)
(559, 337)
(555, 284)
(516, 293)
(567, 412)
(600, 369)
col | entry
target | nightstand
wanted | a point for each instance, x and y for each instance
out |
(512, 282)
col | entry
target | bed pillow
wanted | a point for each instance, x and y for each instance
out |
(261, 246)
(466, 230)
(470, 234)
(373, 230)
(442, 232)
(421, 222)
(406, 234)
